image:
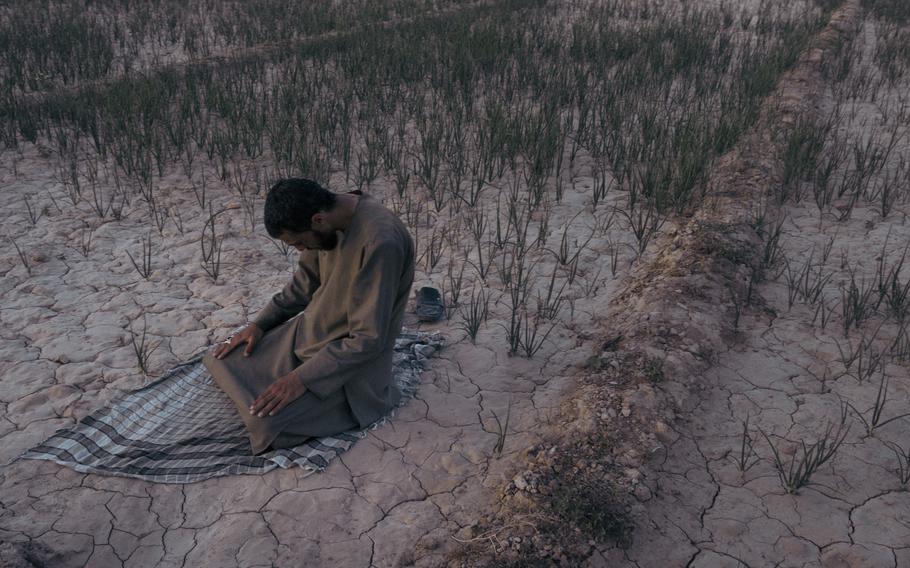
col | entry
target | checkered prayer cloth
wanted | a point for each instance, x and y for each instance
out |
(183, 428)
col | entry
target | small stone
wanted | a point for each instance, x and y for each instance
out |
(520, 482)
(424, 350)
(642, 493)
(465, 533)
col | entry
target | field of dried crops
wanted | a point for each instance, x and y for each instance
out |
(670, 236)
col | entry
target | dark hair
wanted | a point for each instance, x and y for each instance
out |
(291, 204)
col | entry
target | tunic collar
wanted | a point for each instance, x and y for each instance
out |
(356, 219)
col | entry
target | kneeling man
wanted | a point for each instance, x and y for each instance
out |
(329, 369)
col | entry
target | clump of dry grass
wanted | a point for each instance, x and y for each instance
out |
(22, 256)
(875, 418)
(803, 465)
(143, 347)
(747, 457)
(144, 266)
(211, 245)
(903, 463)
(591, 503)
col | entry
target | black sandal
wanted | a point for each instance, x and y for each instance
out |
(429, 304)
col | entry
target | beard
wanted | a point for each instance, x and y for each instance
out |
(327, 241)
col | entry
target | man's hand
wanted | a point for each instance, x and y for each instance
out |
(250, 335)
(279, 394)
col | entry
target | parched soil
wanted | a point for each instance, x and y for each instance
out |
(707, 375)
(623, 431)
(785, 372)
(397, 497)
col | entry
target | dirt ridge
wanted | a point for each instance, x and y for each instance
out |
(659, 334)
(676, 298)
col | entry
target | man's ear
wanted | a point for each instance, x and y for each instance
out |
(318, 220)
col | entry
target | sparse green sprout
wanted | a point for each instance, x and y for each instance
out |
(798, 472)
(34, 212)
(747, 458)
(903, 463)
(142, 347)
(875, 418)
(475, 312)
(503, 429)
(144, 266)
(211, 245)
(22, 256)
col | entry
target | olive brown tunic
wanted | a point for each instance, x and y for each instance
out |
(336, 322)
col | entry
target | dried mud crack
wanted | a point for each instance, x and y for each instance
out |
(669, 271)
(725, 352)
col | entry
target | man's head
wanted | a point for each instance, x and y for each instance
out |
(296, 212)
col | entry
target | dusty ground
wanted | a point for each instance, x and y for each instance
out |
(786, 373)
(411, 491)
(66, 350)
(672, 440)
(399, 497)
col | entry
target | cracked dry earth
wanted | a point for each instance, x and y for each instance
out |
(786, 373)
(396, 498)
(393, 499)
(701, 510)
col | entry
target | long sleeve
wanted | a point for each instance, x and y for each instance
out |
(370, 303)
(296, 294)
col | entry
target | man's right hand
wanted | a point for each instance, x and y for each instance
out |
(250, 335)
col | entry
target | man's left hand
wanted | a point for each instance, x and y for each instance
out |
(282, 392)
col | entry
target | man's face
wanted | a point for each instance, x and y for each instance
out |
(311, 239)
